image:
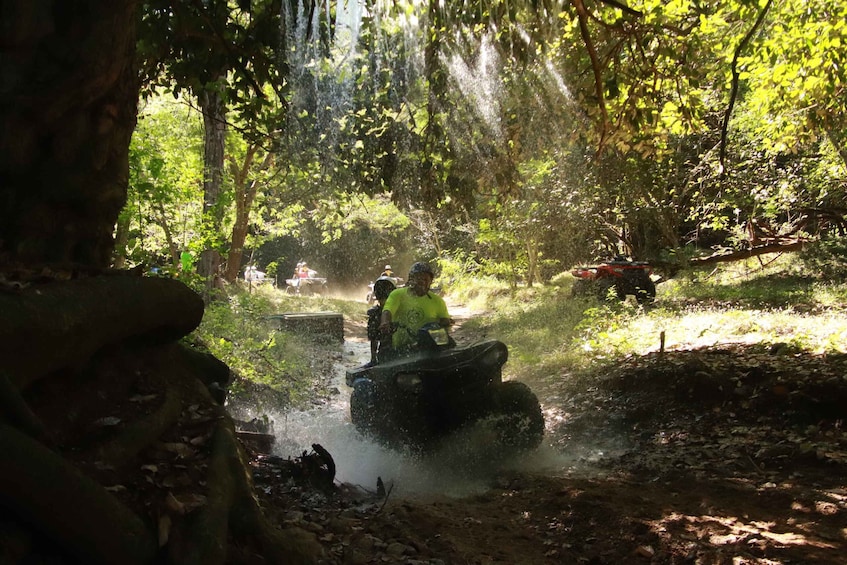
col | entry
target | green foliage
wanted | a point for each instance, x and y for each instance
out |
(238, 333)
(486, 125)
(553, 336)
(827, 258)
(801, 59)
(164, 198)
(344, 214)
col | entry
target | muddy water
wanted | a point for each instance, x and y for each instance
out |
(464, 466)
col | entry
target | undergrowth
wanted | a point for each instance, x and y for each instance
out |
(552, 335)
(238, 331)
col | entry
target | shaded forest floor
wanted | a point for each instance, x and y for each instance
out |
(729, 454)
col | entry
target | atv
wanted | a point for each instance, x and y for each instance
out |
(416, 400)
(621, 276)
(370, 298)
(305, 286)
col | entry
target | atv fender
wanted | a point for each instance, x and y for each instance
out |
(363, 403)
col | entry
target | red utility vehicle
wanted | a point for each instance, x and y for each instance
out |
(624, 276)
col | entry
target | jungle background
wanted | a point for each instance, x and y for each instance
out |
(505, 142)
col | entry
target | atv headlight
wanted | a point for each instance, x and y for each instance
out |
(409, 382)
(494, 357)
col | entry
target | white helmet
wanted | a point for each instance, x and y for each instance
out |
(388, 267)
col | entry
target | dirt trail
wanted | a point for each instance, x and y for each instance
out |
(721, 455)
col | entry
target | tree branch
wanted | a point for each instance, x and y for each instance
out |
(622, 7)
(735, 76)
(583, 16)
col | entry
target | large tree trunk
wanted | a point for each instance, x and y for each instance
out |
(82, 354)
(214, 120)
(67, 112)
(245, 194)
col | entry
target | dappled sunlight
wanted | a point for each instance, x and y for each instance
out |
(554, 416)
(732, 531)
(709, 327)
(662, 448)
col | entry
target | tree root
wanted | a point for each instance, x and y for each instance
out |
(92, 367)
(140, 434)
(211, 371)
(233, 509)
(49, 327)
(15, 411)
(45, 490)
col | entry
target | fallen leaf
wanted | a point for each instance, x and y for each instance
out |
(107, 421)
(180, 449)
(174, 505)
(645, 551)
(142, 398)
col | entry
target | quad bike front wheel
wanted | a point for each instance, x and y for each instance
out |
(605, 286)
(638, 282)
(517, 416)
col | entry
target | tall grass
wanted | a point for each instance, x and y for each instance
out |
(551, 334)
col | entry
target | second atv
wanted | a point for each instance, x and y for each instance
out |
(618, 278)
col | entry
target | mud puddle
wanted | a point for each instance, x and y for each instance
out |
(464, 466)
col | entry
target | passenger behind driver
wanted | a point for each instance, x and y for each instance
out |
(379, 344)
(411, 307)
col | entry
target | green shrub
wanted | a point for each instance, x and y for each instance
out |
(826, 258)
(238, 333)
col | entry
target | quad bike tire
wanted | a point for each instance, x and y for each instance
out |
(639, 284)
(517, 416)
(606, 284)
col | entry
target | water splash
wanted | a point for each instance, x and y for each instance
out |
(469, 463)
(465, 465)
(479, 82)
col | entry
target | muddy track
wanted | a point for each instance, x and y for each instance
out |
(721, 455)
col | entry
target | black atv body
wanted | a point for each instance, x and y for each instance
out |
(417, 400)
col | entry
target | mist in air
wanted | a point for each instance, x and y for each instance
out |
(464, 465)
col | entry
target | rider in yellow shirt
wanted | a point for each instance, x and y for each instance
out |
(411, 307)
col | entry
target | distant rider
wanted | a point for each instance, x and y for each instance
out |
(412, 307)
(303, 270)
(387, 272)
(383, 286)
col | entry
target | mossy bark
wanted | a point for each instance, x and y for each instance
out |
(53, 326)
